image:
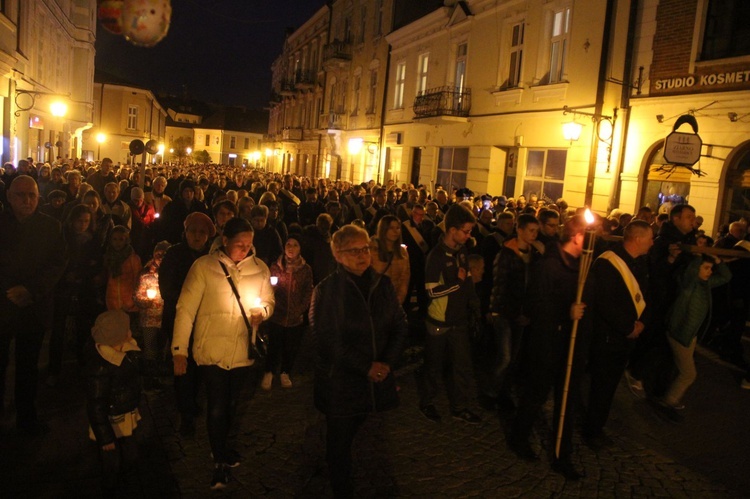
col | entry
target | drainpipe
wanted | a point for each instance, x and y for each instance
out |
(600, 87)
(625, 104)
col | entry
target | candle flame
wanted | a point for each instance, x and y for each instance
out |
(588, 216)
(274, 280)
(256, 303)
(151, 293)
(156, 215)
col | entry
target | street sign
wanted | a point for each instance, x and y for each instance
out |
(682, 148)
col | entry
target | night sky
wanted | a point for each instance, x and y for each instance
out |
(221, 50)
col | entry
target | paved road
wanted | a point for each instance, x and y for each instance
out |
(398, 454)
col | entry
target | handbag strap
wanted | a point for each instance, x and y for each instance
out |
(236, 294)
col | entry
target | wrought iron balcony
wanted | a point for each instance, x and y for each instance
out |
(287, 87)
(305, 79)
(337, 52)
(290, 133)
(443, 101)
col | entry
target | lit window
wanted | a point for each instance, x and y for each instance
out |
(516, 55)
(559, 44)
(545, 173)
(132, 117)
(453, 164)
(398, 98)
(424, 63)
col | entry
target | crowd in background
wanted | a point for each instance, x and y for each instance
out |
(485, 281)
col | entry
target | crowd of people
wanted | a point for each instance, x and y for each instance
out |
(148, 273)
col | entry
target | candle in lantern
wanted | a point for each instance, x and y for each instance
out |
(274, 280)
(151, 293)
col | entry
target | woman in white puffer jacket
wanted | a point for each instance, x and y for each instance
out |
(207, 309)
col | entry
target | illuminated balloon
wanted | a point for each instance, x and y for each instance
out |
(110, 15)
(146, 22)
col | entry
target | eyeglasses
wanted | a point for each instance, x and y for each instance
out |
(365, 250)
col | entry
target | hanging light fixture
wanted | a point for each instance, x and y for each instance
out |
(572, 130)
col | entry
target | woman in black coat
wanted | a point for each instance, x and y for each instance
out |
(359, 329)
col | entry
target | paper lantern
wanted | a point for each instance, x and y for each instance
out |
(146, 22)
(110, 14)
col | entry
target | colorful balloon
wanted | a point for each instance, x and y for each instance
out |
(146, 22)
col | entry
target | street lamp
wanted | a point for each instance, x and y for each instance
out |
(58, 109)
(161, 152)
(189, 151)
(100, 138)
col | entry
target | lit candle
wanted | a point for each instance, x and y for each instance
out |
(151, 293)
(156, 215)
(274, 280)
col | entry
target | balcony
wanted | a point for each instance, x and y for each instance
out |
(305, 80)
(337, 53)
(275, 98)
(443, 104)
(289, 133)
(333, 121)
(287, 87)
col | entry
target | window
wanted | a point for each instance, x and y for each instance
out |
(516, 55)
(398, 98)
(727, 33)
(362, 24)
(373, 91)
(208, 140)
(379, 18)
(545, 173)
(247, 143)
(424, 62)
(355, 97)
(559, 44)
(132, 117)
(232, 142)
(462, 49)
(452, 167)
(348, 28)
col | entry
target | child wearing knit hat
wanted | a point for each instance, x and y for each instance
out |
(113, 391)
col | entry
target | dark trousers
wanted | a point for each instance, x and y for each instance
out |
(115, 461)
(28, 330)
(451, 346)
(340, 433)
(223, 389)
(186, 389)
(606, 368)
(283, 345)
(544, 373)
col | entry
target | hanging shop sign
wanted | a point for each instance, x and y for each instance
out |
(680, 148)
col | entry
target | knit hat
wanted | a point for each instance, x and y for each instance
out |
(162, 246)
(111, 328)
(201, 219)
(296, 236)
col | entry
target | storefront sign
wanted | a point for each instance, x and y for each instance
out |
(695, 82)
(682, 148)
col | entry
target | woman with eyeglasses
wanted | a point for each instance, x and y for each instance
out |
(359, 329)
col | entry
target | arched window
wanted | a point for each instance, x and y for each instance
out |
(665, 185)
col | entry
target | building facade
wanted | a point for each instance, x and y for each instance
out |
(122, 113)
(696, 55)
(47, 77)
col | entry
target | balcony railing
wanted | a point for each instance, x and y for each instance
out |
(305, 79)
(291, 134)
(333, 121)
(337, 51)
(443, 101)
(287, 87)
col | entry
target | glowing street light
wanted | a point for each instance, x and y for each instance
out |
(100, 138)
(572, 131)
(58, 109)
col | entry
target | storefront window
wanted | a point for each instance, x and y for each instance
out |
(738, 191)
(666, 185)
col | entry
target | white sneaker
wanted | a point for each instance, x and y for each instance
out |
(285, 381)
(267, 381)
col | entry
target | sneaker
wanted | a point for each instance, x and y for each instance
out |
(466, 416)
(267, 381)
(565, 468)
(665, 411)
(233, 458)
(635, 385)
(431, 413)
(745, 384)
(285, 381)
(220, 477)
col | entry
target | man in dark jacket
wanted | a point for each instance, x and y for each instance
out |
(32, 260)
(615, 317)
(509, 319)
(450, 289)
(551, 305)
(172, 273)
(359, 330)
(174, 214)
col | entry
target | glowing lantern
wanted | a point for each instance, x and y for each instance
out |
(146, 22)
(110, 14)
